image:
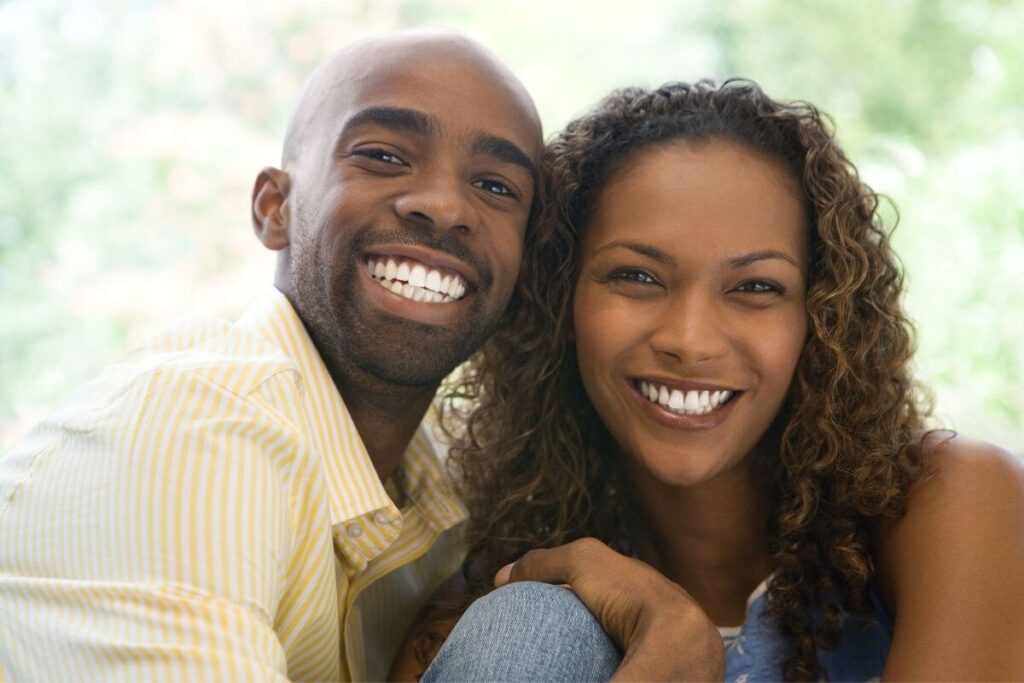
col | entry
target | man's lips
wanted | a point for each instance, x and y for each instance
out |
(413, 280)
(419, 284)
(431, 259)
(415, 303)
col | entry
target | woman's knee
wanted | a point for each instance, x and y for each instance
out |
(526, 631)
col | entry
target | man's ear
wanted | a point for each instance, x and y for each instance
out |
(269, 208)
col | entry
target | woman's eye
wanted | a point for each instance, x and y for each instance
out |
(634, 275)
(380, 155)
(495, 187)
(759, 287)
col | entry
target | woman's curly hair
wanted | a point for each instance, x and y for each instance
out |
(533, 457)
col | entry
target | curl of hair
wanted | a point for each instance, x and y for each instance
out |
(533, 457)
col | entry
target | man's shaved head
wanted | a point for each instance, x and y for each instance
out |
(350, 68)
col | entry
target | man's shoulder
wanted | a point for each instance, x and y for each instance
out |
(213, 349)
(194, 368)
(202, 385)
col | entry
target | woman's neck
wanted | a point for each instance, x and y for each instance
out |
(710, 538)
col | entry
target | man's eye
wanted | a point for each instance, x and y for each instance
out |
(380, 155)
(495, 187)
(634, 275)
(759, 287)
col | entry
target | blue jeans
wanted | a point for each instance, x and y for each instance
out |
(526, 631)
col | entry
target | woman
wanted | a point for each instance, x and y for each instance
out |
(708, 372)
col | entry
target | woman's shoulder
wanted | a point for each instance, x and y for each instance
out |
(969, 490)
(962, 460)
(951, 569)
(960, 472)
(963, 478)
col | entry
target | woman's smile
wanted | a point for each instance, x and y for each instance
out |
(684, 405)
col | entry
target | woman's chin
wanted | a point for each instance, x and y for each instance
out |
(685, 469)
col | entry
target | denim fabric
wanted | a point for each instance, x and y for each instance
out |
(526, 631)
(537, 632)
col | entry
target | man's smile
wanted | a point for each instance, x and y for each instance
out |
(415, 280)
(420, 284)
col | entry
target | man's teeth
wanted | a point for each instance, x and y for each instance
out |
(414, 280)
(684, 402)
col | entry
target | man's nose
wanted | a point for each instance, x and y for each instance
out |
(439, 203)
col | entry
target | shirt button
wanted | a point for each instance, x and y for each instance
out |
(354, 531)
(382, 518)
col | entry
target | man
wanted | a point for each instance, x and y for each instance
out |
(257, 500)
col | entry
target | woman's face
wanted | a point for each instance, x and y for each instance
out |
(689, 311)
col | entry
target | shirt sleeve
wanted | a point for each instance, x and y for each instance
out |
(148, 536)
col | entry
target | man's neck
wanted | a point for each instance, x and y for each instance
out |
(387, 419)
(385, 415)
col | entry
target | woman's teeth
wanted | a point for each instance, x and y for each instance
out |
(684, 402)
(414, 280)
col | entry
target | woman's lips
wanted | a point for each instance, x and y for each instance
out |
(691, 406)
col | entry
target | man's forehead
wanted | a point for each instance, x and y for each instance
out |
(408, 53)
(449, 79)
(436, 87)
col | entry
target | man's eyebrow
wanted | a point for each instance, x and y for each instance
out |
(505, 150)
(763, 255)
(395, 118)
(642, 249)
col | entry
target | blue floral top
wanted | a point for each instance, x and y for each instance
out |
(756, 650)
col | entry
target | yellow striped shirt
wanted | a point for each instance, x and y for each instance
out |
(206, 510)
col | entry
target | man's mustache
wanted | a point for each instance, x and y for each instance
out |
(445, 243)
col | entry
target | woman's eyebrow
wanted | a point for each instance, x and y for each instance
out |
(642, 249)
(730, 264)
(762, 255)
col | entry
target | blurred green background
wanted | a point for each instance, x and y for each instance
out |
(130, 133)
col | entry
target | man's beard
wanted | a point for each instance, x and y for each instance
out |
(352, 333)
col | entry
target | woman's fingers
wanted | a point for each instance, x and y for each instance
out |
(609, 584)
(561, 564)
(649, 616)
(503, 575)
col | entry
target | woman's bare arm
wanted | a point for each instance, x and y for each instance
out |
(952, 569)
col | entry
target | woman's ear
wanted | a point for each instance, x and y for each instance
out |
(269, 208)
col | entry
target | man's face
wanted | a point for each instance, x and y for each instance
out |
(409, 204)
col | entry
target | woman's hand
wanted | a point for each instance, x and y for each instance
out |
(663, 632)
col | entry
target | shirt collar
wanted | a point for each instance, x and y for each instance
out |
(354, 489)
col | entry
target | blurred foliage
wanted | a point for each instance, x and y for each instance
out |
(130, 133)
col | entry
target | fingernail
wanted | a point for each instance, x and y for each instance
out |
(503, 575)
